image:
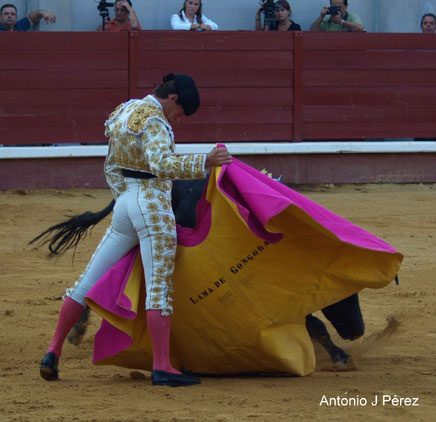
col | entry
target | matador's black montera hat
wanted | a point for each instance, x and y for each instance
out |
(187, 91)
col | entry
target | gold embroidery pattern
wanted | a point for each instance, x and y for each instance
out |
(146, 184)
(156, 229)
(154, 146)
(159, 248)
(170, 242)
(177, 167)
(169, 222)
(152, 206)
(159, 279)
(188, 160)
(157, 257)
(154, 129)
(161, 198)
(125, 132)
(168, 263)
(160, 224)
(138, 119)
(156, 290)
(155, 218)
(149, 194)
(159, 237)
(165, 204)
(162, 186)
(199, 167)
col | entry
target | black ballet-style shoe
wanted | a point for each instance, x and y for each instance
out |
(49, 367)
(172, 380)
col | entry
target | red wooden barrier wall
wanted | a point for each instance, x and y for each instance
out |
(369, 85)
(244, 79)
(254, 86)
(58, 87)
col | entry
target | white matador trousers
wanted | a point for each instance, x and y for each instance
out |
(142, 214)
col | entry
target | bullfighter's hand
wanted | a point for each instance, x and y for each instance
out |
(218, 157)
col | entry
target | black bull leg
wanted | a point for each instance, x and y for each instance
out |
(318, 332)
(76, 334)
(345, 315)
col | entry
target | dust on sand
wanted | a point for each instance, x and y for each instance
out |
(396, 356)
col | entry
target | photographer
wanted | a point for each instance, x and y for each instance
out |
(337, 18)
(125, 18)
(282, 17)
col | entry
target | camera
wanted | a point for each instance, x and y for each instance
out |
(104, 12)
(334, 10)
(268, 9)
(103, 6)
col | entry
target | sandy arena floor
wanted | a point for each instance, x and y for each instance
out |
(396, 356)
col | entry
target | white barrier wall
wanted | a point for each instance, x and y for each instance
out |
(377, 15)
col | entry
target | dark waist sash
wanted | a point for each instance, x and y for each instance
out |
(137, 174)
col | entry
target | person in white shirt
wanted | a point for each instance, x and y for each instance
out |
(191, 18)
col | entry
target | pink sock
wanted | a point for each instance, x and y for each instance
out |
(68, 316)
(160, 328)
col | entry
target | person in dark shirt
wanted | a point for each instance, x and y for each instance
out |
(9, 18)
(282, 14)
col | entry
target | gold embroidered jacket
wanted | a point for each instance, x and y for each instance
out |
(142, 139)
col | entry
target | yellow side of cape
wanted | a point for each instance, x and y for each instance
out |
(240, 302)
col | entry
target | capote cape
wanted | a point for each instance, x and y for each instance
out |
(260, 258)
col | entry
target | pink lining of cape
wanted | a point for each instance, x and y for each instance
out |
(259, 198)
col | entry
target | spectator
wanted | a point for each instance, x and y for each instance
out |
(125, 18)
(9, 22)
(428, 23)
(342, 21)
(191, 18)
(283, 15)
(428, 26)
